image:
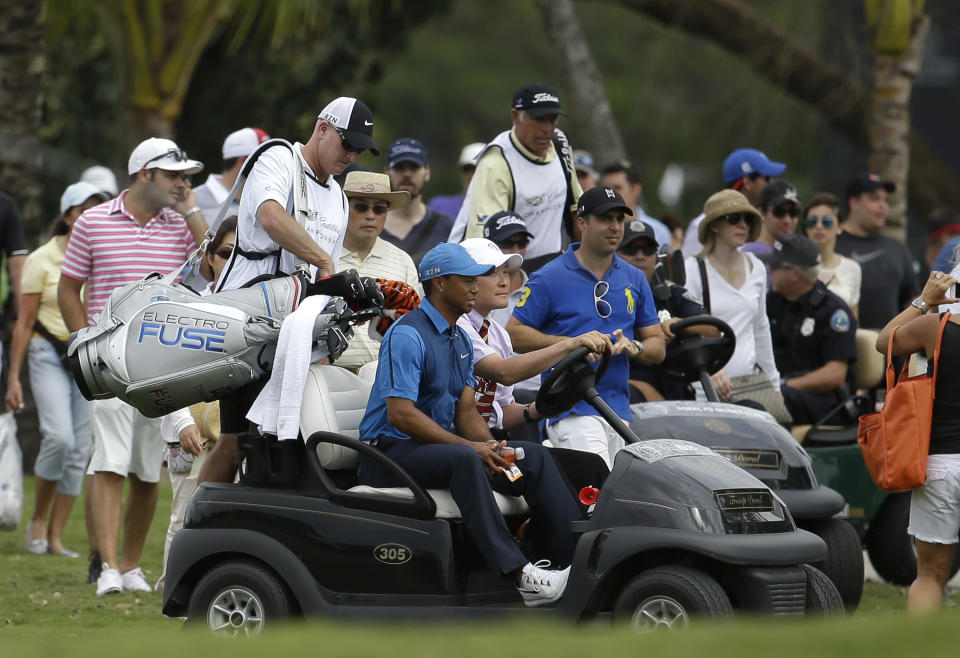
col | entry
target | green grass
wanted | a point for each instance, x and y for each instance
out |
(47, 610)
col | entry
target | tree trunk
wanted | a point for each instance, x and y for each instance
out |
(590, 105)
(22, 62)
(150, 123)
(889, 123)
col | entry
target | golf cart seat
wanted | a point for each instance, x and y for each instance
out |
(868, 372)
(334, 400)
(368, 371)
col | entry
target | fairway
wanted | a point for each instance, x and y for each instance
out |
(47, 610)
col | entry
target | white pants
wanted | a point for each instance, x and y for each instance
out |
(125, 441)
(586, 433)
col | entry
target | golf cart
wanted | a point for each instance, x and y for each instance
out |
(753, 440)
(677, 531)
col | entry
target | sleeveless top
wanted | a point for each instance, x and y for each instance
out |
(945, 435)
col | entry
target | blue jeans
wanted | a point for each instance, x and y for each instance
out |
(64, 419)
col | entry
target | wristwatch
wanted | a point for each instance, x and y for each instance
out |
(919, 304)
(639, 345)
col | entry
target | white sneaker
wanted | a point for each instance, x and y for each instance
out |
(541, 587)
(110, 581)
(134, 581)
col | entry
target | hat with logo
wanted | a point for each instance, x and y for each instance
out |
(583, 161)
(868, 183)
(159, 153)
(406, 149)
(469, 154)
(537, 99)
(371, 185)
(353, 120)
(101, 178)
(744, 162)
(777, 193)
(794, 249)
(598, 200)
(486, 252)
(638, 229)
(728, 202)
(243, 142)
(450, 258)
(501, 225)
(77, 194)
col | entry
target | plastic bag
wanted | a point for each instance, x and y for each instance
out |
(11, 474)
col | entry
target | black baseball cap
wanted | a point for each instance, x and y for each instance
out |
(406, 149)
(778, 192)
(638, 229)
(598, 200)
(868, 183)
(794, 249)
(353, 120)
(504, 224)
(537, 99)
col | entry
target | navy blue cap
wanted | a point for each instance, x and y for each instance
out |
(406, 149)
(744, 162)
(638, 229)
(868, 183)
(450, 258)
(501, 225)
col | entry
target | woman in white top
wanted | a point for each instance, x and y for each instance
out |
(841, 275)
(737, 285)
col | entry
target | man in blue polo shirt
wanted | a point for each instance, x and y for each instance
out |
(422, 414)
(590, 287)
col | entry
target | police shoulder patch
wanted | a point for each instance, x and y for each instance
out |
(840, 321)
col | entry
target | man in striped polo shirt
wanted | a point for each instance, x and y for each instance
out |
(113, 244)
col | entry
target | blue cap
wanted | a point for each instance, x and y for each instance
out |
(406, 149)
(450, 258)
(744, 162)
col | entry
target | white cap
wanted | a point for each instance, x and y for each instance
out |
(485, 252)
(243, 142)
(469, 153)
(101, 178)
(159, 153)
(77, 193)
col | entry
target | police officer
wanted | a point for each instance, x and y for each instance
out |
(673, 302)
(813, 331)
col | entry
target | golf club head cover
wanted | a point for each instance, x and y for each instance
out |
(359, 292)
(399, 298)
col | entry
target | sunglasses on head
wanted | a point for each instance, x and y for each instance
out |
(177, 154)
(780, 212)
(345, 143)
(519, 242)
(828, 222)
(362, 207)
(646, 248)
(603, 306)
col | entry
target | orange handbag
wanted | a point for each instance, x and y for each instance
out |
(895, 441)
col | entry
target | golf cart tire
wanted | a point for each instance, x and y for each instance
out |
(890, 548)
(253, 585)
(844, 563)
(822, 597)
(667, 597)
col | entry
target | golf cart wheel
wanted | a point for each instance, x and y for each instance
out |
(239, 598)
(891, 550)
(844, 563)
(822, 597)
(667, 597)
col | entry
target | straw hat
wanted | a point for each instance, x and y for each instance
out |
(729, 202)
(370, 185)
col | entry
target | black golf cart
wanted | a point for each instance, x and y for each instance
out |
(677, 531)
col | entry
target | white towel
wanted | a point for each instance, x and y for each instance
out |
(277, 409)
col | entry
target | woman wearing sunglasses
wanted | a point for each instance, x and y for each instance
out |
(734, 287)
(821, 223)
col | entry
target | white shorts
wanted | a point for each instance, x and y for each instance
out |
(125, 441)
(935, 506)
(586, 433)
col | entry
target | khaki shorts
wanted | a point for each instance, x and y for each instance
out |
(125, 441)
(935, 506)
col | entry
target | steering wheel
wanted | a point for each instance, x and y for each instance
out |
(688, 354)
(569, 381)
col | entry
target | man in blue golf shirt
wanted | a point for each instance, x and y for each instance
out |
(590, 287)
(422, 414)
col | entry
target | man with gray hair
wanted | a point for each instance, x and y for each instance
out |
(813, 331)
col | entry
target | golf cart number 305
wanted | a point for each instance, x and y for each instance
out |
(392, 553)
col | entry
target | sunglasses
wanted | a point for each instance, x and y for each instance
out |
(345, 143)
(780, 212)
(178, 155)
(736, 218)
(603, 306)
(827, 222)
(224, 253)
(520, 244)
(645, 248)
(362, 207)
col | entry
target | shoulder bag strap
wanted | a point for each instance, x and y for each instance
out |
(904, 372)
(706, 285)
